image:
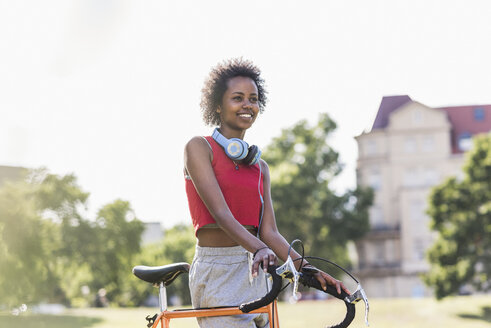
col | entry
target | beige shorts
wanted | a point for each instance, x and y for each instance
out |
(220, 276)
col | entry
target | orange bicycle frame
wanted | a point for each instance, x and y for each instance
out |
(165, 316)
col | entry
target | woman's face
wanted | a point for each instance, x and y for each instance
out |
(240, 106)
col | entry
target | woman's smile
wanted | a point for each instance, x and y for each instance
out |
(247, 116)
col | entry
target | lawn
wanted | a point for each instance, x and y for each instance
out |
(464, 311)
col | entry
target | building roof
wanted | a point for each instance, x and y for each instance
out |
(387, 106)
(467, 121)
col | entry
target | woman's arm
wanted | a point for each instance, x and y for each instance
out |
(271, 236)
(197, 161)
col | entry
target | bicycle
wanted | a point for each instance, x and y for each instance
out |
(163, 276)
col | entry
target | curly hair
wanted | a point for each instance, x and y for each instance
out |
(216, 85)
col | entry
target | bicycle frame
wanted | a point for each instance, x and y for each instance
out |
(164, 317)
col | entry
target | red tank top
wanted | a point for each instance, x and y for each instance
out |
(239, 185)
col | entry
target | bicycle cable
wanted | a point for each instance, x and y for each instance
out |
(302, 258)
(336, 265)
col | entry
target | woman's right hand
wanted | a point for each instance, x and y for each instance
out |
(265, 256)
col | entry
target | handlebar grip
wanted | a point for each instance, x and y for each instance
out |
(269, 297)
(309, 280)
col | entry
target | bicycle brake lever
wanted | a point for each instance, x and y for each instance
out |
(288, 271)
(359, 295)
(295, 287)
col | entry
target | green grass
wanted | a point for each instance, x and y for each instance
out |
(49, 321)
(461, 312)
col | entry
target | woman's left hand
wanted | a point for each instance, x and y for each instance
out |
(326, 279)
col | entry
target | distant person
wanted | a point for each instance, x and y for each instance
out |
(226, 183)
(101, 299)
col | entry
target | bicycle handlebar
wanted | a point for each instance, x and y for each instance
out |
(269, 297)
(307, 279)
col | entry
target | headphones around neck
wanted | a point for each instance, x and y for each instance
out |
(237, 149)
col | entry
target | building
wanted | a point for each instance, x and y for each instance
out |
(410, 149)
(11, 173)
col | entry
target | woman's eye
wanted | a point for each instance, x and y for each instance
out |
(253, 100)
(238, 98)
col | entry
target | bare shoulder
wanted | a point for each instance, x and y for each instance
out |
(197, 147)
(264, 167)
(197, 143)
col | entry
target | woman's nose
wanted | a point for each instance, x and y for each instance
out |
(247, 104)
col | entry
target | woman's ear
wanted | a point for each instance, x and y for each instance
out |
(219, 109)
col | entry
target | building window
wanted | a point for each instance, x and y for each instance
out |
(371, 147)
(416, 211)
(409, 145)
(419, 249)
(392, 255)
(428, 144)
(410, 177)
(376, 217)
(418, 291)
(479, 114)
(430, 177)
(379, 253)
(375, 179)
(465, 141)
(417, 117)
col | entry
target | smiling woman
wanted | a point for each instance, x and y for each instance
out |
(217, 84)
(229, 196)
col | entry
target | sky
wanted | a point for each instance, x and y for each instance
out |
(109, 90)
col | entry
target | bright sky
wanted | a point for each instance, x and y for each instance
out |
(109, 89)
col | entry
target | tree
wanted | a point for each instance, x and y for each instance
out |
(118, 234)
(23, 276)
(61, 203)
(178, 245)
(49, 250)
(31, 241)
(302, 164)
(460, 212)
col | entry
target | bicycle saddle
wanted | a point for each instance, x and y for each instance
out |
(165, 273)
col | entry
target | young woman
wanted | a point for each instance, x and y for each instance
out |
(229, 199)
